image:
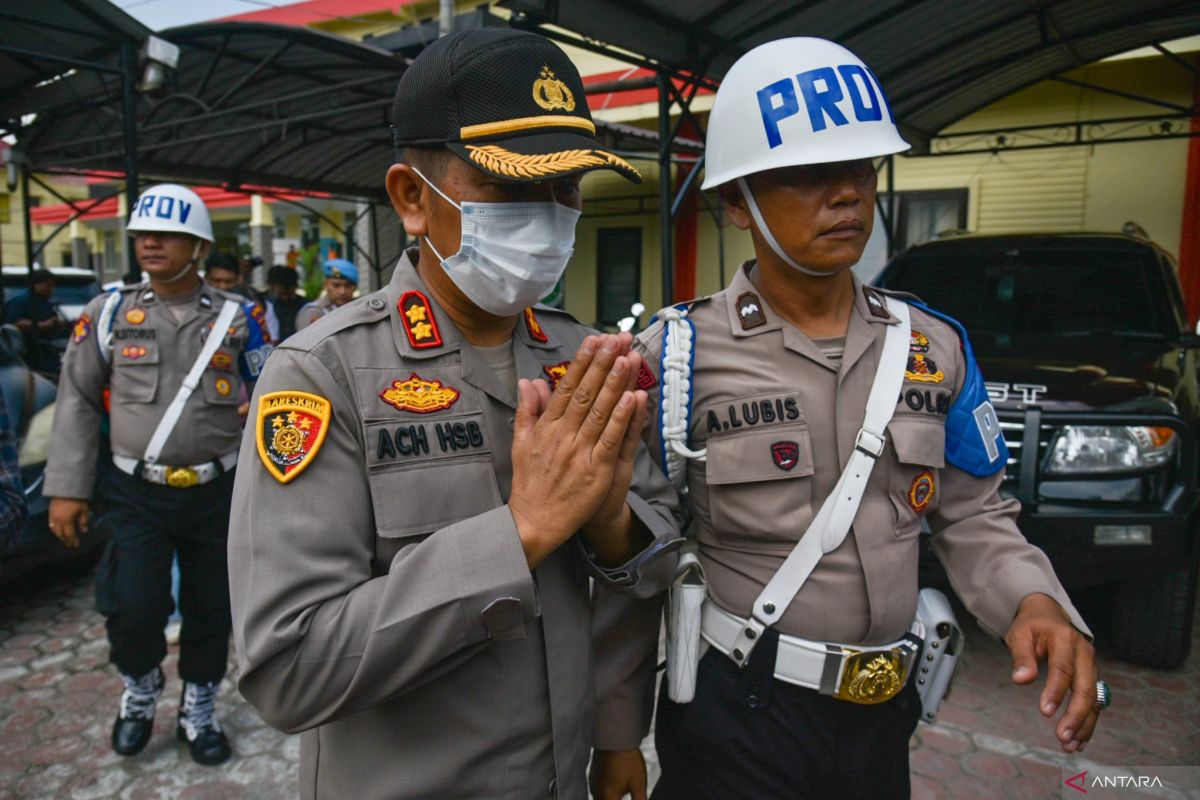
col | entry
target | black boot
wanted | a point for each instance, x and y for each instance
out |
(198, 724)
(135, 721)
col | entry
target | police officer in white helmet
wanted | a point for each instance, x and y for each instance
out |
(816, 424)
(163, 362)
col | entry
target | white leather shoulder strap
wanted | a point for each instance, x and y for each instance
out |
(174, 411)
(832, 522)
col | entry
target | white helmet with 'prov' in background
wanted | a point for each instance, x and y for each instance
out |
(797, 101)
(170, 208)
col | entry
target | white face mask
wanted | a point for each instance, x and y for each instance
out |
(766, 234)
(512, 254)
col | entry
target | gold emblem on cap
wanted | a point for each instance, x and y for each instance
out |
(552, 94)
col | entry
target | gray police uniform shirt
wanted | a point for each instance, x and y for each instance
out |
(381, 599)
(152, 349)
(780, 420)
(311, 312)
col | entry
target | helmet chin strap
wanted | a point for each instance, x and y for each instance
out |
(195, 257)
(766, 234)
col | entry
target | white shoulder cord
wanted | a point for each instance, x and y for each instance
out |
(104, 324)
(678, 340)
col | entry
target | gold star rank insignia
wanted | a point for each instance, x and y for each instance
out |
(416, 317)
(290, 429)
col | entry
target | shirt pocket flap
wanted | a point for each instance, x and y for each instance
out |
(420, 498)
(771, 454)
(918, 441)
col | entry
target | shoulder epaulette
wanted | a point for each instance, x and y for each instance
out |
(362, 311)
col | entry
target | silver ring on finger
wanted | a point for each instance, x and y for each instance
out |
(1103, 695)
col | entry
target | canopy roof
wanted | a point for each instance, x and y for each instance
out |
(249, 105)
(939, 60)
(38, 40)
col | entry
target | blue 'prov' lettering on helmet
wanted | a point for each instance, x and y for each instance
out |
(822, 90)
(163, 207)
(974, 441)
(771, 114)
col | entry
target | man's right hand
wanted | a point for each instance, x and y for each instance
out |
(616, 774)
(566, 447)
(68, 519)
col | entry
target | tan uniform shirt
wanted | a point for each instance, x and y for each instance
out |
(311, 312)
(152, 349)
(381, 599)
(780, 421)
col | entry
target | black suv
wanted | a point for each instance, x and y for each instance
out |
(1084, 342)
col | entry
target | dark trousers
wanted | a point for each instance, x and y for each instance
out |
(749, 736)
(149, 524)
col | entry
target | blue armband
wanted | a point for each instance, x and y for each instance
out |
(974, 442)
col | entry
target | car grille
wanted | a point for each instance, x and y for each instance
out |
(1014, 437)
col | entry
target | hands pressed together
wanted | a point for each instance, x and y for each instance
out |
(573, 452)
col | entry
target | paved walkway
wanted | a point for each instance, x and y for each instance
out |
(58, 696)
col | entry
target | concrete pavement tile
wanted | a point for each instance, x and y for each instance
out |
(58, 750)
(259, 740)
(24, 722)
(17, 657)
(960, 717)
(57, 644)
(934, 765)
(1034, 789)
(998, 744)
(71, 723)
(944, 739)
(50, 660)
(43, 678)
(20, 640)
(216, 790)
(98, 784)
(50, 779)
(992, 766)
(925, 789)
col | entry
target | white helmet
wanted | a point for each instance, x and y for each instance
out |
(170, 208)
(797, 101)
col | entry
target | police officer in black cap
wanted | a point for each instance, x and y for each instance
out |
(410, 552)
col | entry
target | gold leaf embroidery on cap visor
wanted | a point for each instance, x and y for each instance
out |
(515, 165)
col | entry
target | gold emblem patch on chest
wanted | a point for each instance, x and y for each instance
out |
(419, 395)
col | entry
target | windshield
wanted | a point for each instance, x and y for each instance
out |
(1045, 299)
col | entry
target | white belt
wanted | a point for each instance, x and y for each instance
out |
(178, 477)
(848, 673)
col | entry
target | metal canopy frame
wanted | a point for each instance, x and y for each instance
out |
(39, 43)
(970, 56)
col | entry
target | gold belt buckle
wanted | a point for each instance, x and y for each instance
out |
(873, 676)
(182, 477)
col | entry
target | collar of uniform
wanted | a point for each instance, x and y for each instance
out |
(740, 286)
(868, 302)
(405, 279)
(532, 333)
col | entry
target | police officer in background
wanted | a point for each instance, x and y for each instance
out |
(164, 360)
(410, 554)
(812, 692)
(341, 282)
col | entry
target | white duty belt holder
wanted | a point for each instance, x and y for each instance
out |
(185, 477)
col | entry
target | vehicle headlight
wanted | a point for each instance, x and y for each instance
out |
(36, 447)
(1107, 449)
